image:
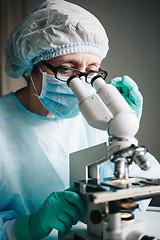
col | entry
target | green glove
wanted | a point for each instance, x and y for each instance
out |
(129, 90)
(61, 210)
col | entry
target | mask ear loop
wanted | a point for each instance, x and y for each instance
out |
(35, 89)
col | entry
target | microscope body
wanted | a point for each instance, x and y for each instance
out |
(107, 110)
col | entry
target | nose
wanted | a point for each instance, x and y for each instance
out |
(81, 68)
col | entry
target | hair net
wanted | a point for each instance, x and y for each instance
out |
(54, 28)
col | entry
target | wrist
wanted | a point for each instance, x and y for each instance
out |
(22, 228)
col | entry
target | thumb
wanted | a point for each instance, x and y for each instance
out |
(72, 189)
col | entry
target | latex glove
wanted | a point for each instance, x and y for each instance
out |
(129, 90)
(61, 210)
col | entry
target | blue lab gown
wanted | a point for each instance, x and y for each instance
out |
(34, 157)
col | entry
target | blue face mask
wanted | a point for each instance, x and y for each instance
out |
(57, 97)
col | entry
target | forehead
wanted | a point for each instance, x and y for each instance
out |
(78, 58)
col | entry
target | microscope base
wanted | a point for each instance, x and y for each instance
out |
(131, 230)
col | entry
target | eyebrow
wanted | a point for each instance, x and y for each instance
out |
(76, 63)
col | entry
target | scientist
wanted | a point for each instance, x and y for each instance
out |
(41, 124)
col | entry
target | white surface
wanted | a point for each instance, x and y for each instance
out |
(152, 221)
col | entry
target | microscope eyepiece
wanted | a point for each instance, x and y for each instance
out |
(70, 78)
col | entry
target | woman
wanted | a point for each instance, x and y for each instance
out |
(41, 123)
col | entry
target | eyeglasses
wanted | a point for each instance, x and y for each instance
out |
(62, 73)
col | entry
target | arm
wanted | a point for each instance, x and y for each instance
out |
(60, 211)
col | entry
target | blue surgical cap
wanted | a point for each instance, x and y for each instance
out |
(54, 28)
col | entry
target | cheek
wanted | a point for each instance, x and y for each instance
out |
(45, 69)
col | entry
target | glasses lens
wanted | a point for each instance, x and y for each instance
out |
(90, 76)
(93, 74)
(64, 73)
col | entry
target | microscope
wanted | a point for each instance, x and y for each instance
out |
(109, 203)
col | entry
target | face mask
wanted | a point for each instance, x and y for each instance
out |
(57, 97)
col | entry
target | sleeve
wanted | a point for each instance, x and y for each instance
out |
(8, 231)
(8, 198)
(7, 219)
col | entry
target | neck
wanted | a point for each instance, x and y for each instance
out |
(31, 102)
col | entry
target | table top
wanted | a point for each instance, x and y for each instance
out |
(151, 219)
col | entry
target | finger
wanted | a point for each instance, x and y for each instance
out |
(60, 226)
(136, 97)
(66, 219)
(73, 212)
(72, 189)
(70, 207)
(118, 83)
(128, 87)
(123, 89)
(76, 200)
(129, 83)
(124, 81)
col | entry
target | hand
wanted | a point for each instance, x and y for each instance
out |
(61, 210)
(129, 90)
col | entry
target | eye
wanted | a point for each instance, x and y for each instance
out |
(64, 71)
(91, 75)
(92, 68)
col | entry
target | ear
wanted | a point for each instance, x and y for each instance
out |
(35, 70)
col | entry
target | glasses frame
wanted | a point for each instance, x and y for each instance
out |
(79, 73)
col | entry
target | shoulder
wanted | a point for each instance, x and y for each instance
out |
(7, 111)
(6, 101)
